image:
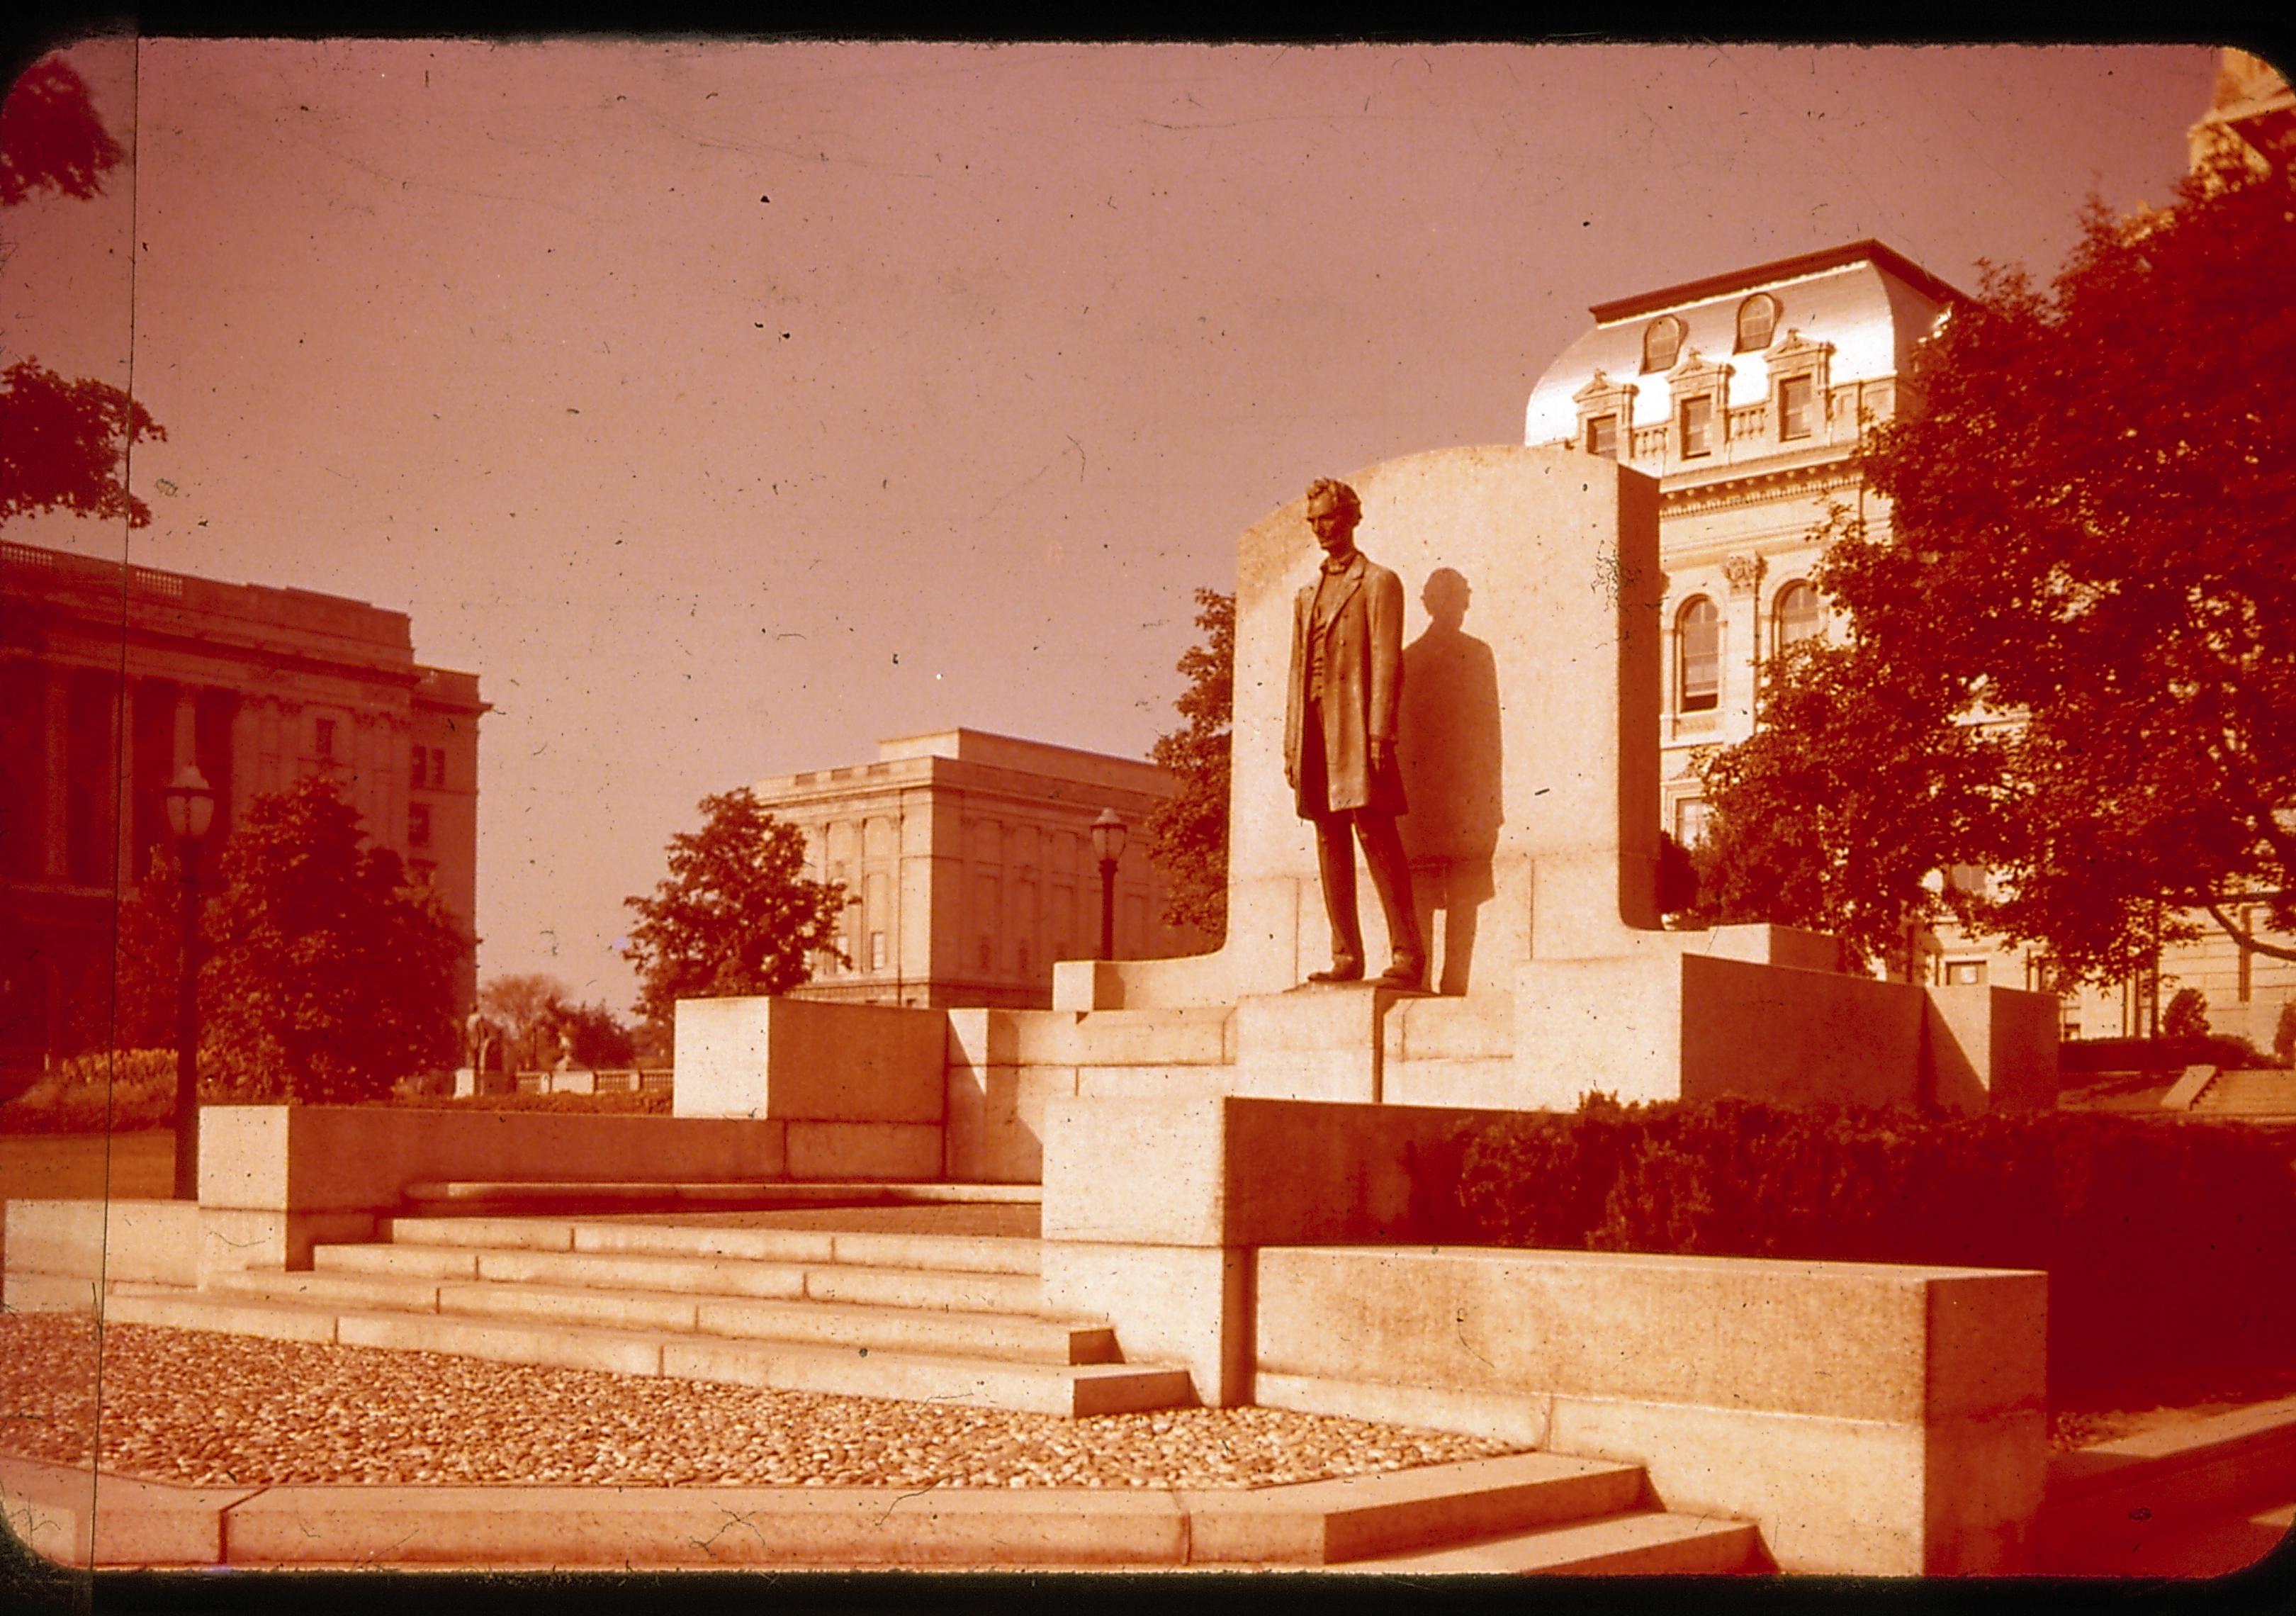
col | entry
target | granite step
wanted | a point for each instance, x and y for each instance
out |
(983, 1253)
(1025, 1336)
(1064, 1389)
(1646, 1543)
(958, 1290)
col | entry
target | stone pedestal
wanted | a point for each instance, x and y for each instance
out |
(1320, 1041)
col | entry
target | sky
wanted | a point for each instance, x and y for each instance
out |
(727, 407)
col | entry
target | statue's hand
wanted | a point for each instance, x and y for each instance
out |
(1382, 753)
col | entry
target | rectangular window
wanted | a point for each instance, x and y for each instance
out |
(419, 778)
(323, 738)
(421, 870)
(1793, 407)
(876, 951)
(1689, 818)
(1602, 436)
(1965, 973)
(418, 825)
(1697, 426)
(437, 767)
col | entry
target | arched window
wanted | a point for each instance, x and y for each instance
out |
(1661, 344)
(1796, 615)
(1698, 657)
(1758, 318)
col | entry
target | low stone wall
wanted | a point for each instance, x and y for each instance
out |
(1874, 1420)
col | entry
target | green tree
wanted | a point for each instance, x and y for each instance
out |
(62, 443)
(1187, 833)
(2074, 658)
(326, 976)
(526, 1008)
(2187, 1016)
(736, 914)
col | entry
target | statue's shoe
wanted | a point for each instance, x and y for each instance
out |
(1337, 973)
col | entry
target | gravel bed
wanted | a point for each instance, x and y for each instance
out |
(209, 1409)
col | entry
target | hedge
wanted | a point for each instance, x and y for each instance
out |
(2170, 1246)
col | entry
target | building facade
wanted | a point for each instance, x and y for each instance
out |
(112, 677)
(970, 859)
(1745, 394)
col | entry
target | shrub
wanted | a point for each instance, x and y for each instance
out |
(2168, 1245)
(2187, 1016)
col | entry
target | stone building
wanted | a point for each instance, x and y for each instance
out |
(113, 676)
(971, 858)
(1745, 393)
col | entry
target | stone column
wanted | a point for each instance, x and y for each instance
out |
(1741, 644)
(187, 729)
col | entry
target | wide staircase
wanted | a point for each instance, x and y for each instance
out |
(940, 1318)
(952, 1319)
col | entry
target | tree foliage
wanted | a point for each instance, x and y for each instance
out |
(533, 1011)
(322, 974)
(2074, 657)
(1187, 833)
(51, 139)
(736, 914)
(62, 442)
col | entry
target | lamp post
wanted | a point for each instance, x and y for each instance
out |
(1108, 847)
(191, 811)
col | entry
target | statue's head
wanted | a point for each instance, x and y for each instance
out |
(1332, 512)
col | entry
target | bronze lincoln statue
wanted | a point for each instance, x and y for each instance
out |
(1339, 737)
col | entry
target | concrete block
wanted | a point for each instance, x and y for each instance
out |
(1137, 1172)
(226, 1316)
(501, 1234)
(1068, 1390)
(1650, 1543)
(345, 1159)
(810, 1060)
(1153, 1082)
(1519, 1419)
(424, 1262)
(890, 1150)
(703, 1276)
(1661, 1025)
(409, 1292)
(702, 1527)
(995, 1120)
(154, 1241)
(1987, 1048)
(911, 1329)
(982, 1037)
(1235, 1171)
(558, 1346)
(1485, 1084)
(48, 1293)
(1314, 1042)
(72, 1517)
(701, 1240)
(613, 1309)
(972, 1254)
(1181, 1036)
(231, 1239)
(1168, 1304)
(1471, 1027)
(1872, 1419)
(1831, 1495)
(1768, 945)
(1356, 1517)
(921, 1288)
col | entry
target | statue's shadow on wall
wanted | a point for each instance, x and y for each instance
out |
(1450, 751)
